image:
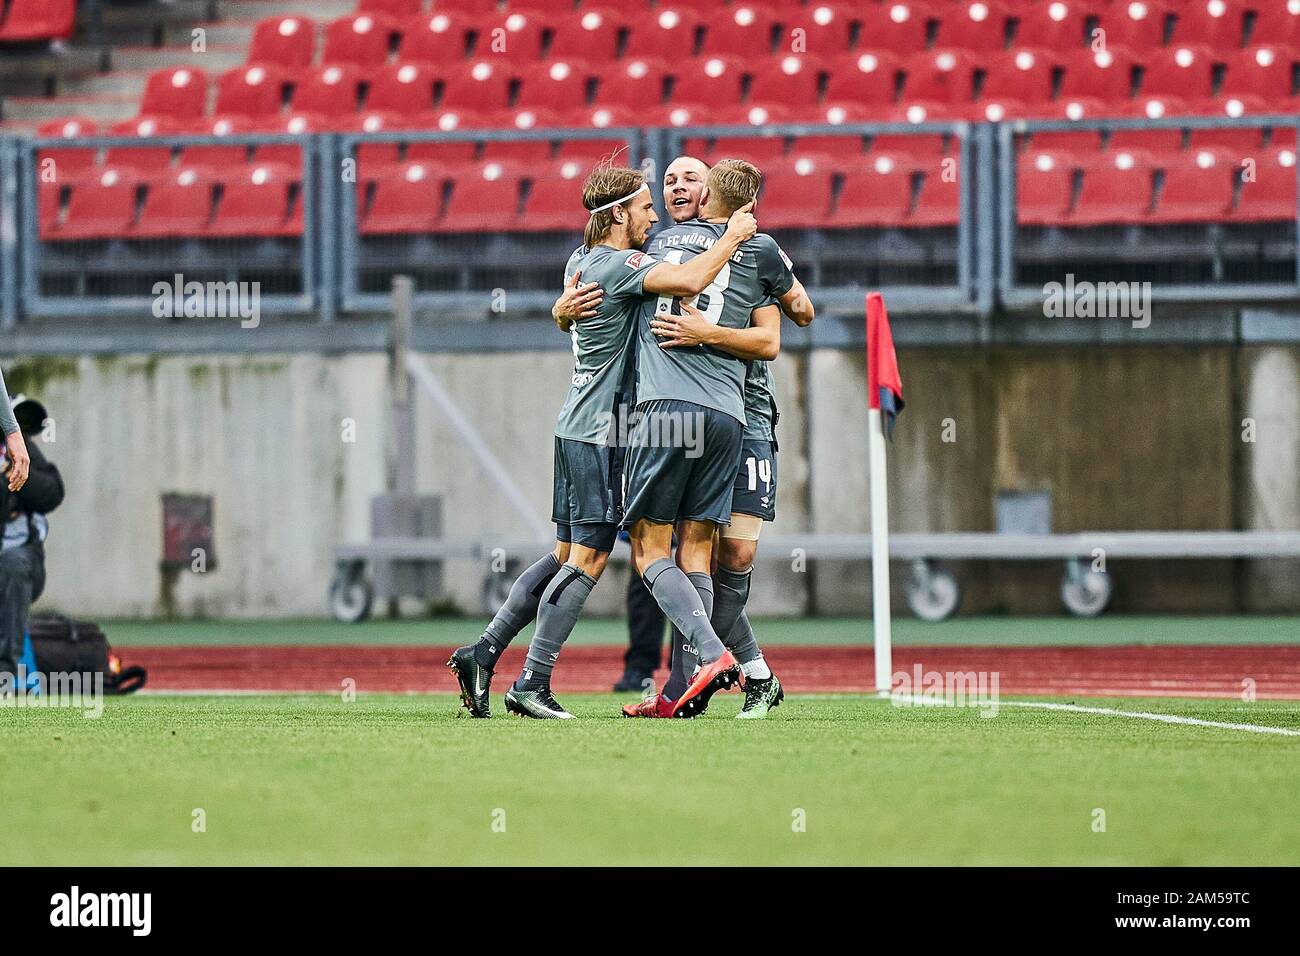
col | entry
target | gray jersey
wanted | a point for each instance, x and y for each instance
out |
(760, 403)
(756, 274)
(603, 345)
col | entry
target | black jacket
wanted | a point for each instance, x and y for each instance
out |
(42, 493)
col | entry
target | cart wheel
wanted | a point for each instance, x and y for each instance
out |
(351, 594)
(933, 594)
(1085, 592)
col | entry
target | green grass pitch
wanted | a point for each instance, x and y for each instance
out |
(826, 780)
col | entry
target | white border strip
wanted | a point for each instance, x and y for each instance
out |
(1142, 715)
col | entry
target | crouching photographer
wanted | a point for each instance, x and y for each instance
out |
(30, 488)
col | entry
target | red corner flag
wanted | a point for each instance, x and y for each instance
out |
(884, 387)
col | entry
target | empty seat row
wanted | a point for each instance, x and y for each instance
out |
(603, 32)
(1131, 187)
(944, 84)
(117, 204)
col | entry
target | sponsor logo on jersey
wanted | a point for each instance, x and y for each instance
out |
(634, 260)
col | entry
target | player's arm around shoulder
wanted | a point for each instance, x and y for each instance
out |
(692, 277)
(797, 305)
(578, 301)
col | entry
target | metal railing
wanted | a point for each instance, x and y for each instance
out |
(984, 260)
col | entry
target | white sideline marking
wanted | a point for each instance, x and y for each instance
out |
(1143, 715)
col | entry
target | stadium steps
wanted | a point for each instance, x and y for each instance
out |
(215, 60)
(322, 11)
(42, 72)
(150, 23)
(102, 107)
(224, 33)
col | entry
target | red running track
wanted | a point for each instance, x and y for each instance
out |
(1164, 671)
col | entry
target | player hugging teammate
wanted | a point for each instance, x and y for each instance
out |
(686, 328)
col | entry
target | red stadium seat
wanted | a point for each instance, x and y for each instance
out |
(1198, 187)
(1136, 25)
(742, 29)
(217, 157)
(287, 157)
(530, 152)
(179, 92)
(900, 27)
(590, 151)
(762, 151)
(715, 81)
(1263, 71)
(1104, 75)
(554, 200)
(482, 86)
(437, 39)
(863, 80)
(48, 209)
(445, 155)
(142, 159)
(1183, 71)
(1271, 196)
(940, 201)
(408, 199)
(483, 200)
(329, 91)
(827, 28)
(39, 20)
(513, 35)
(1044, 187)
(591, 34)
(405, 88)
(1117, 190)
(103, 208)
(398, 9)
(1017, 83)
(880, 195)
(254, 91)
(289, 42)
(835, 152)
(558, 84)
(1153, 141)
(940, 76)
(975, 25)
(68, 163)
(177, 205)
(791, 81)
(1239, 140)
(607, 117)
(259, 201)
(476, 8)
(636, 84)
(361, 39)
(919, 148)
(795, 195)
(1079, 143)
(1217, 23)
(1053, 25)
(1277, 22)
(667, 32)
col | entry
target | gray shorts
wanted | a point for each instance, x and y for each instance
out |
(588, 493)
(681, 463)
(755, 492)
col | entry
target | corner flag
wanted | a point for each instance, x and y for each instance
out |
(884, 402)
(884, 386)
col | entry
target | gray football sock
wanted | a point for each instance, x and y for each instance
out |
(683, 606)
(731, 593)
(557, 614)
(683, 664)
(517, 612)
(741, 641)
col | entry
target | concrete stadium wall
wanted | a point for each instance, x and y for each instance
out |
(1123, 438)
